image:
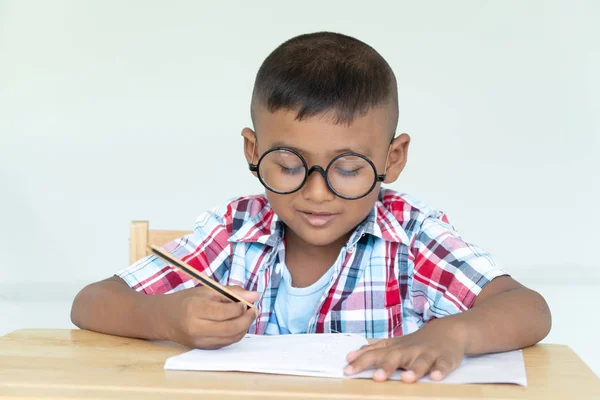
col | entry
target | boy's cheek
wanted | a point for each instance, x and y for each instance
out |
(279, 203)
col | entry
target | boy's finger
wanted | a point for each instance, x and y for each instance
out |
(213, 295)
(390, 363)
(246, 294)
(417, 369)
(249, 296)
(222, 330)
(364, 361)
(440, 369)
(234, 327)
(355, 353)
(217, 311)
(215, 342)
(240, 325)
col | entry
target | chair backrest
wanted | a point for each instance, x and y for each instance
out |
(141, 236)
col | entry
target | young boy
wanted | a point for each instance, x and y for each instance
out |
(326, 249)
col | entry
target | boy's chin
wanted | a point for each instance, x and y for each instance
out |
(320, 237)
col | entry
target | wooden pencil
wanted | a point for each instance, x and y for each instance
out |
(194, 274)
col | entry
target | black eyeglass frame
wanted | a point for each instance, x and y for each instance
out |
(324, 172)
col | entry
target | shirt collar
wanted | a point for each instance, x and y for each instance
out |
(267, 228)
(380, 223)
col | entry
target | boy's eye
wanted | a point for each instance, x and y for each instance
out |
(349, 166)
(291, 171)
(346, 172)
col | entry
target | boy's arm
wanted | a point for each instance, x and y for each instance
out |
(111, 306)
(505, 316)
(196, 317)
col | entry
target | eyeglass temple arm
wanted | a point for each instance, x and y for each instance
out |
(381, 178)
(253, 167)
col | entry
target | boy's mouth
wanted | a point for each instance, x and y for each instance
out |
(318, 218)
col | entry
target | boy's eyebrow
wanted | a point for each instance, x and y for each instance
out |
(364, 152)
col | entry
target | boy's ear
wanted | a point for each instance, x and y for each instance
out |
(250, 146)
(397, 157)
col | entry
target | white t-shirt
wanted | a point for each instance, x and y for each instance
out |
(294, 307)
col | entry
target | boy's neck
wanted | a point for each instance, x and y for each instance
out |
(307, 262)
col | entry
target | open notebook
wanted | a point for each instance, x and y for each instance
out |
(324, 355)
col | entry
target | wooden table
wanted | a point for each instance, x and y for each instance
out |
(67, 364)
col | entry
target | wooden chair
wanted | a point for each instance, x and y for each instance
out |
(141, 236)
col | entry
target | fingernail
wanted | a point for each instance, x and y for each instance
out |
(408, 375)
(348, 370)
(436, 375)
(379, 374)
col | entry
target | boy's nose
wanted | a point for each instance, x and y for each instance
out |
(316, 189)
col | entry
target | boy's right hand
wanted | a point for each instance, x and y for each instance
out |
(201, 318)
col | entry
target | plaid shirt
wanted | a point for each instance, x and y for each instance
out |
(402, 266)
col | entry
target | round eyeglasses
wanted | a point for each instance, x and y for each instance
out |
(283, 170)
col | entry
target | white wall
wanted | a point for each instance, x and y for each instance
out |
(103, 104)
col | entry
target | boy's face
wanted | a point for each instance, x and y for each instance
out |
(314, 213)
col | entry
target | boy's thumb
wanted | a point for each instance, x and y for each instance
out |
(246, 294)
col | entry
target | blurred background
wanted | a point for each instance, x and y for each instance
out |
(103, 102)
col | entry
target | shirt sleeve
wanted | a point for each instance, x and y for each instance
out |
(448, 272)
(206, 249)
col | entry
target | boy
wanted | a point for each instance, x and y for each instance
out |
(326, 249)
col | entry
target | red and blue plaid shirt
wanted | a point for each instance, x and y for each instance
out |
(402, 266)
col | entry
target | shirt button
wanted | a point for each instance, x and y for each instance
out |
(351, 249)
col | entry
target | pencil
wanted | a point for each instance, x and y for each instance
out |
(194, 274)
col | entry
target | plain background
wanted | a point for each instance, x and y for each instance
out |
(114, 111)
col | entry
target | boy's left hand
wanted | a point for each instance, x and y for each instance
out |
(437, 348)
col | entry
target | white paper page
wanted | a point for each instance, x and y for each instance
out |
(314, 355)
(324, 355)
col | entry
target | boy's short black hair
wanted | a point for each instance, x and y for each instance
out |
(320, 72)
